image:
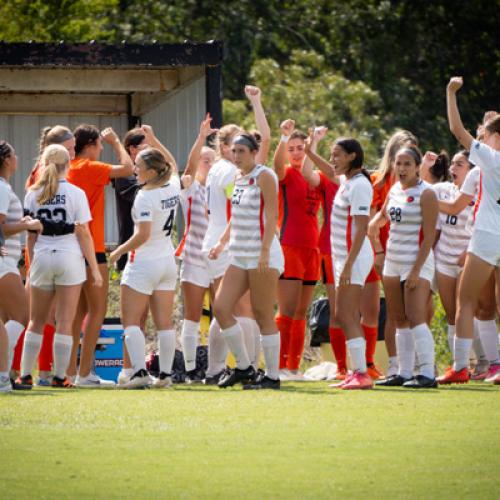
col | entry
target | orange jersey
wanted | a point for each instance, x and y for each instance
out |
(379, 196)
(298, 211)
(92, 177)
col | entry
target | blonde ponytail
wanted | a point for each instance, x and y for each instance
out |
(54, 161)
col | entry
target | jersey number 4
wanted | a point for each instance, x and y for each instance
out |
(169, 224)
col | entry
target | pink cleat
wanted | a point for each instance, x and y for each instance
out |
(340, 385)
(492, 373)
(359, 381)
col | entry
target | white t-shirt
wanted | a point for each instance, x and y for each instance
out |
(11, 207)
(157, 206)
(219, 183)
(70, 205)
(488, 213)
(354, 197)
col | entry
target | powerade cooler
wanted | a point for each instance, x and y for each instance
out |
(109, 351)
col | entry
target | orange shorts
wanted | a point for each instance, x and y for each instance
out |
(327, 269)
(373, 276)
(301, 264)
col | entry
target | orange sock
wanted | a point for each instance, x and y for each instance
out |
(46, 351)
(284, 324)
(337, 341)
(371, 334)
(18, 352)
(297, 336)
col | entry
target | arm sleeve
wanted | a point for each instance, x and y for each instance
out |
(484, 156)
(361, 198)
(143, 208)
(471, 182)
(4, 199)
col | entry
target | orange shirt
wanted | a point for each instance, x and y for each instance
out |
(92, 177)
(379, 195)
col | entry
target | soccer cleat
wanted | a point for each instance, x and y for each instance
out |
(358, 381)
(93, 381)
(293, 376)
(263, 383)
(62, 383)
(22, 383)
(164, 380)
(392, 370)
(214, 379)
(497, 380)
(480, 370)
(421, 382)
(138, 380)
(493, 371)
(374, 372)
(283, 374)
(339, 385)
(5, 384)
(193, 377)
(44, 382)
(123, 378)
(233, 376)
(340, 374)
(453, 377)
(392, 381)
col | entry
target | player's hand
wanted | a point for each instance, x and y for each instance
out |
(3, 252)
(109, 136)
(97, 277)
(114, 256)
(412, 280)
(263, 265)
(252, 92)
(149, 134)
(429, 159)
(455, 84)
(320, 132)
(205, 129)
(345, 276)
(214, 252)
(287, 127)
(461, 259)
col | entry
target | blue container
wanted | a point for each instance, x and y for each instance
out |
(109, 352)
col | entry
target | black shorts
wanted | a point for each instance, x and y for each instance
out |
(100, 257)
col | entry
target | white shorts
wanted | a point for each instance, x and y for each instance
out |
(53, 267)
(360, 269)
(8, 265)
(486, 246)
(392, 269)
(449, 270)
(217, 267)
(148, 276)
(197, 275)
(276, 260)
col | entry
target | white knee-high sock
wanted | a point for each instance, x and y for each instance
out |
(166, 344)
(488, 334)
(357, 354)
(247, 327)
(477, 345)
(217, 349)
(405, 347)
(31, 349)
(462, 353)
(62, 353)
(234, 338)
(136, 347)
(14, 330)
(271, 348)
(189, 341)
(424, 347)
(451, 338)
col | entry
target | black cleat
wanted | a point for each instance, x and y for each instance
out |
(214, 379)
(193, 377)
(233, 376)
(22, 383)
(393, 381)
(263, 383)
(421, 382)
(62, 383)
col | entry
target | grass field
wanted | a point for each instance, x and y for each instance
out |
(306, 441)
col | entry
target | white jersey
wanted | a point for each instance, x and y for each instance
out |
(157, 206)
(487, 217)
(247, 215)
(354, 197)
(194, 209)
(455, 229)
(69, 205)
(220, 181)
(472, 187)
(11, 207)
(405, 214)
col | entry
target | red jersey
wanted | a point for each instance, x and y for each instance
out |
(379, 195)
(328, 189)
(298, 211)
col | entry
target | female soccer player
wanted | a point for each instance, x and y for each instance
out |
(91, 175)
(411, 208)
(298, 223)
(13, 301)
(483, 254)
(150, 274)
(256, 264)
(58, 267)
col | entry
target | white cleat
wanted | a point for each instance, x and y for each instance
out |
(139, 380)
(163, 381)
(93, 381)
(5, 384)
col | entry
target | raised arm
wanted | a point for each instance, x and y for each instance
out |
(311, 175)
(154, 142)
(194, 155)
(254, 95)
(456, 126)
(326, 167)
(279, 161)
(126, 165)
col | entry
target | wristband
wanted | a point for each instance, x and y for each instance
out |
(284, 138)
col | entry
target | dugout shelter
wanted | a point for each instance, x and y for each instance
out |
(168, 86)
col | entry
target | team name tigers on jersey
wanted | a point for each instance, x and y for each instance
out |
(171, 202)
(405, 214)
(58, 199)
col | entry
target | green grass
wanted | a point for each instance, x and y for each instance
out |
(306, 441)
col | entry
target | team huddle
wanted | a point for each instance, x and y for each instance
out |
(417, 225)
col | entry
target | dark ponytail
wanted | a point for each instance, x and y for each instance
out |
(441, 167)
(350, 145)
